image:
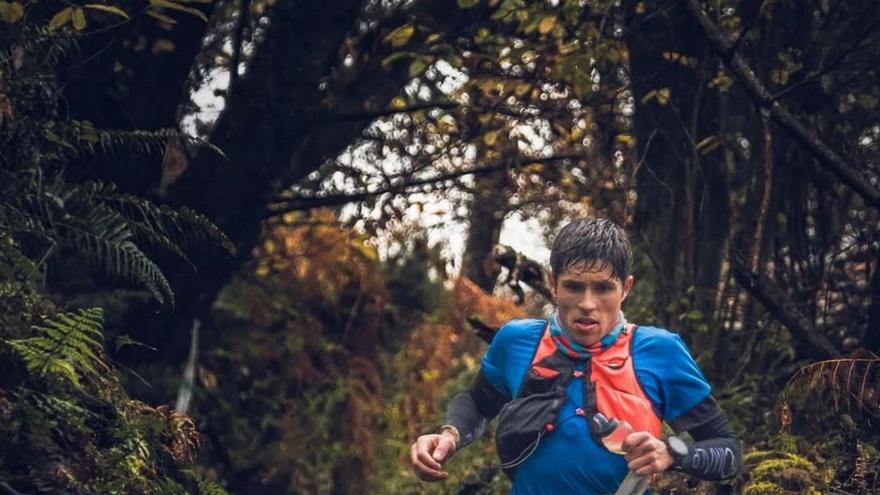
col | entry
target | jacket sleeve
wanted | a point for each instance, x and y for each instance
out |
(716, 453)
(471, 410)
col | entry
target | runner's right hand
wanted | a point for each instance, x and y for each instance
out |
(429, 453)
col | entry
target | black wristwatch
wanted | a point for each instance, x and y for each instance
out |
(678, 450)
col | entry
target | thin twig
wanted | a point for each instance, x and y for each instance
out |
(821, 72)
(244, 8)
(828, 158)
(307, 203)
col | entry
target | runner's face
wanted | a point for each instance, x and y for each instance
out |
(588, 300)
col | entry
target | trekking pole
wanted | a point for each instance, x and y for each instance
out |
(613, 433)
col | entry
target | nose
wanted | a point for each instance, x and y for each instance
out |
(587, 302)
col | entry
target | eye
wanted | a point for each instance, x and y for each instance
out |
(573, 286)
(604, 288)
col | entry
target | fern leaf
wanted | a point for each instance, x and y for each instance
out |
(68, 346)
(845, 381)
(113, 141)
(16, 266)
(93, 229)
(181, 226)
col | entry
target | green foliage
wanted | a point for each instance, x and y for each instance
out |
(47, 218)
(772, 472)
(66, 346)
(66, 423)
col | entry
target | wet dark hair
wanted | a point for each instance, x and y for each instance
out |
(595, 241)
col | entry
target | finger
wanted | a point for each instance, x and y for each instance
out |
(424, 472)
(647, 447)
(652, 462)
(649, 469)
(641, 462)
(445, 448)
(424, 454)
(635, 439)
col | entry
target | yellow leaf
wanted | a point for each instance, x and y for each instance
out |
(162, 17)
(623, 138)
(262, 271)
(289, 217)
(663, 96)
(270, 247)
(176, 6)
(534, 168)
(366, 250)
(162, 45)
(521, 89)
(546, 24)
(490, 138)
(447, 125)
(400, 36)
(432, 39)
(640, 8)
(417, 67)
(398, 103)
(79, 19)
(567, 48)
(106, 8)
(11, 12)
(61, 18)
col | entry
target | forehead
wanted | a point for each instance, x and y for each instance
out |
(588, 271)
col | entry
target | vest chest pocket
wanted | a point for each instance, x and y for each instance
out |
(636, 410)
(523, 421)
(538, 380)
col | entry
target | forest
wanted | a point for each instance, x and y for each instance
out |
(256, 246)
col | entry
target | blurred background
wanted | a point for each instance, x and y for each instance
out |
(256, 246)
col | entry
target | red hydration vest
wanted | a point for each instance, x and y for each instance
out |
(618, 393)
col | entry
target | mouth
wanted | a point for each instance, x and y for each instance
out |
(586, 324)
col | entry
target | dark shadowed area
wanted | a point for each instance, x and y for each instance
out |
(253, 246)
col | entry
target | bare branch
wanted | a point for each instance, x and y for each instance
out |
(759, 93)
(285, 205)
(243, 19)
(821, 72)
(767, 294)
(351, 116)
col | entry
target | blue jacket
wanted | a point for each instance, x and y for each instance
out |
(570, 461)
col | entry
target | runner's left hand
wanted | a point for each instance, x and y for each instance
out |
(646, 454)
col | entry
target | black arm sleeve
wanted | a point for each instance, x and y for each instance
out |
(471, 410)
(716, 453)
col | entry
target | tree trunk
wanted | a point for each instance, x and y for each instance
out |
(486, 212)
(681, 210)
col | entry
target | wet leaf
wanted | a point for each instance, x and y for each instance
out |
(61, 18)
(400, 36)
(547, 24)
(107, 8)
(11, 12)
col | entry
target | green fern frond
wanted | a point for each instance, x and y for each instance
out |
(62, 412)
(67, 347)
(97, 231)
(109, 141)
(16, 266)
(205, 486)
(167, 486)
(180, 226)
(124, 260)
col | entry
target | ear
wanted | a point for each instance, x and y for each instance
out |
(551, 281)
(627, 286)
